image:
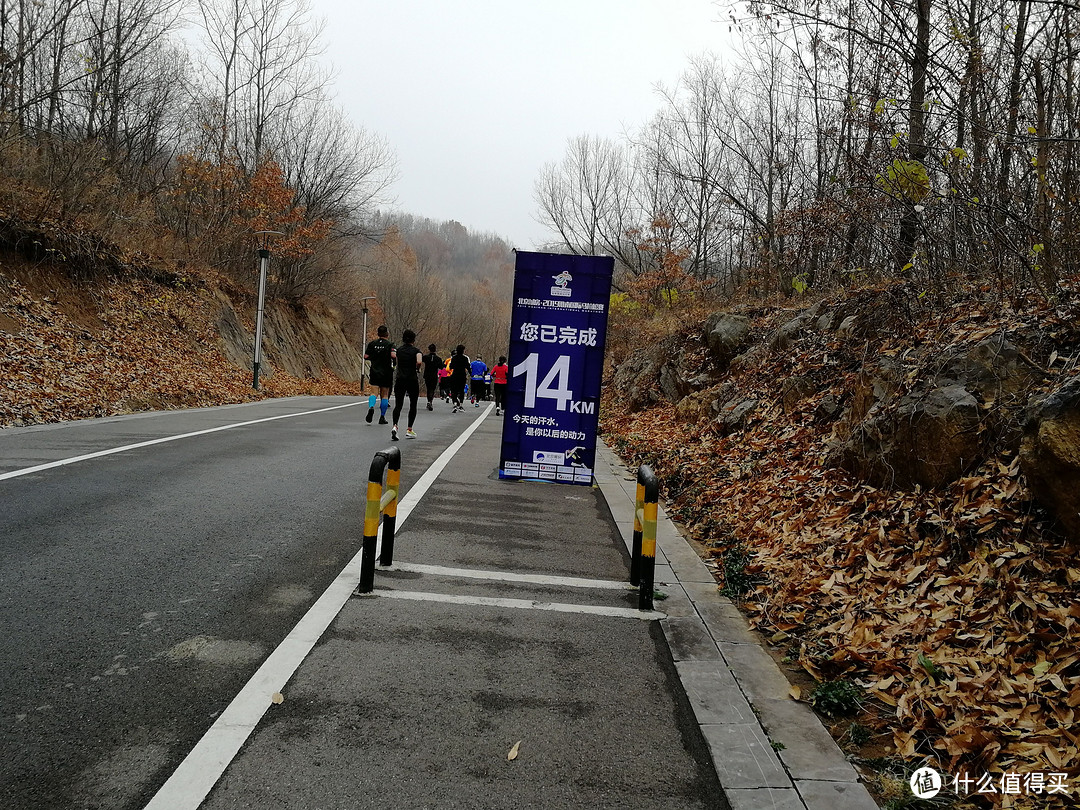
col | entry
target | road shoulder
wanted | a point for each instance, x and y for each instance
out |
(769, 751)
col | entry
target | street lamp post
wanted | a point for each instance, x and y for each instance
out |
(263, 238)
(363, 348)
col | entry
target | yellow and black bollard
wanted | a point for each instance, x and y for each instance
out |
(643, 559)
(389, 506)
(381, 507)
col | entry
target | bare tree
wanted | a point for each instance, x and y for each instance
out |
(225, 24)
(587, 198)
(339, 171)
(278, 67)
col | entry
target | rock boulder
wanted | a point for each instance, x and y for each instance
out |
(724, 335)
(1050, 454)
(696, 406)
(638, 378)
(930, 439)
(734, 414)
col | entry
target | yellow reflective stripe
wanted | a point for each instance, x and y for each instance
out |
(648, 533)
(389, 498)
(373, 510)
(393, 484)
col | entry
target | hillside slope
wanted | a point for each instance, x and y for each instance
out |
(860, 473)
(122, 339)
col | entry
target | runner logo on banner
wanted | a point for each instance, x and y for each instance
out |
(557, 331)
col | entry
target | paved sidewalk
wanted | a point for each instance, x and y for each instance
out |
(506, 619)
(739, 696)
(506, 624)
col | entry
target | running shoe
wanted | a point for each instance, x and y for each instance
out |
(393, 433)
(429, 407)
(410, 434)
(382, 420)
(370, 414)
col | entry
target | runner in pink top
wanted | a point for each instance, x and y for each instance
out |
(498, 384)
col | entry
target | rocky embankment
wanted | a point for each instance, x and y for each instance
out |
(123, 341)
(892, 488)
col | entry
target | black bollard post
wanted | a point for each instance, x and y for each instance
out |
(650, 497)
(372, 515)
(389, 503)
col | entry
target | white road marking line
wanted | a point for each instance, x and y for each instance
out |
(111, 451)
(196, 776)
(519, 604)
(507, 576)
(193, 780)
(408, 502)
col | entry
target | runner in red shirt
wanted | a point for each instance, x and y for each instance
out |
(498, 384)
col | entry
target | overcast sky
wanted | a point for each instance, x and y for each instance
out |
(475, 96)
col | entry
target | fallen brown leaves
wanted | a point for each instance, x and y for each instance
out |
(957, 611)
(147, 346)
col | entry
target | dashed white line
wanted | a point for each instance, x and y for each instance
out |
(509, 576)
(519, 604)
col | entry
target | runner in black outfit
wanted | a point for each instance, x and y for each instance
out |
(460, 368)
(382, 356)
(432, 364)
(409, 360)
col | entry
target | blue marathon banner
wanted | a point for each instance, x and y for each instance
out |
(557, 331)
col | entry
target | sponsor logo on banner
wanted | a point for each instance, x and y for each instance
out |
(549, 457)
(561, 290)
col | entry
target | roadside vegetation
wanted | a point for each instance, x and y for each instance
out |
(913, 167)
(147, 150)
(926, 625)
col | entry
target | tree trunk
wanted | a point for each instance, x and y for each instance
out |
(920, 64)
(1043, 202)
(1003, 202)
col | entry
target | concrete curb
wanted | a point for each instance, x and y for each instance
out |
(738, 693)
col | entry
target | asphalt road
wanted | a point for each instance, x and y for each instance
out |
(141, 589)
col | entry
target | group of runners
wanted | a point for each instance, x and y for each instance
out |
(399, 368)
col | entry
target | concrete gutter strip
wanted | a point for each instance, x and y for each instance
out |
(739, 696)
